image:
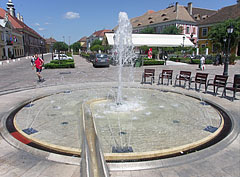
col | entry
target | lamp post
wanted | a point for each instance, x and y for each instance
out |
(52, 48)
(226, 63)
(42, 48)
(183, 43)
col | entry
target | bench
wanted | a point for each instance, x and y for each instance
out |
(200, 78)
(148, 73)
(166, 74)
(183, 76)
(235, 86)
(218, 82)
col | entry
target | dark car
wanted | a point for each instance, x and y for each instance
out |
(100, 60)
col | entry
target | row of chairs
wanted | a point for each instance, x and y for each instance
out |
(219, 81)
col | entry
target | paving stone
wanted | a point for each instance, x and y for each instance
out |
(15, 162)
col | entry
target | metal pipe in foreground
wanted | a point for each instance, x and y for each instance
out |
(93, 163)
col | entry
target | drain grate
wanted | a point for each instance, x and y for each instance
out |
(67, 91)
(125, 149)
(30, 131)
(65, 73)
(210, 129)
(64, 123)
(29, 105)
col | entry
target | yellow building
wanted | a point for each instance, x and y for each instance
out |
(226, 13)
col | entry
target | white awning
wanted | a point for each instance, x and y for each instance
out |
(155, 40)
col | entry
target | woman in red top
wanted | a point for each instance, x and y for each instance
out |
(38, 64)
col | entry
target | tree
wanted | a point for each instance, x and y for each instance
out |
(97, 45)
(76, 46)
(148, 30)
(172, 30)
(60, 46)
(218, 33)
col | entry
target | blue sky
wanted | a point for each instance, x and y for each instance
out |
(74, 19)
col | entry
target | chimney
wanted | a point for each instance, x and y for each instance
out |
(176, 7)
(10, 8)
(18, 16)
(190, 8)
(21, 18)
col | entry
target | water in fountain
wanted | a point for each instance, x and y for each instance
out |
(123, 49)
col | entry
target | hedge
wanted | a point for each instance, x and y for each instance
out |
(189, 61)
(60, 64)
(153, 62)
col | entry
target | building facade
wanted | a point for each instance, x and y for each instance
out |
(225, 13)
(11, 41)
(98, 35)
(176, 15)
(32, 41)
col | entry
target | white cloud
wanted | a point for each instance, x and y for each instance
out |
(47, 23)
(71, 15)
(36, 24)
(41, 29)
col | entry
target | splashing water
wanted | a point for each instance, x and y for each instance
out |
(123, 49)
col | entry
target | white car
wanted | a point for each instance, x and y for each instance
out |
(61, 57)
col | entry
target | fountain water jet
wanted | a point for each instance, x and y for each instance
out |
(123, 49)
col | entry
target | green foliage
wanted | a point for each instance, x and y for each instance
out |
(148, 30)
(69, 54)
(232, 59)
(152, 62)
(97, 45)
(172, 30)
(189, 61)
(60, 64)
(96, 48)
(85, 55)
(97, 42)
(76, 46)
(60, 46)
(219, 32)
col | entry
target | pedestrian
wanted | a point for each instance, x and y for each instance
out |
(38, 64)
(202, 62)
(220, 59)
(165, 57)
(33, 60)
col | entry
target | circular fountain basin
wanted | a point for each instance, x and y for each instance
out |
(148, 124)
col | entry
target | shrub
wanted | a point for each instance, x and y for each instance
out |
(232, 59)
(60, 64)
(153, 62)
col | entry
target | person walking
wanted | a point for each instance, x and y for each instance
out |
(38, 64)
(202, 61)
(33, 60)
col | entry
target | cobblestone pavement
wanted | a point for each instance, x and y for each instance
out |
(222, 159)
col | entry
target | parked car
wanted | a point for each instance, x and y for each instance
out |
(61, 57)
(100, 60)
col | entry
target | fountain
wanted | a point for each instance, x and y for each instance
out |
(123, 49)
(132, 122)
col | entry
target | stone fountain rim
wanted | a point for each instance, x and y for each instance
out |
(47, 154)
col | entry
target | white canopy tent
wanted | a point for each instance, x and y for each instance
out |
(155, 40)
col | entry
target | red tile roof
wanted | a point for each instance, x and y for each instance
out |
(50, 40)
(17, 23)
(100, 33)
(83, 39)
(225, 13)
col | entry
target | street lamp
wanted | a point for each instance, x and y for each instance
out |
(42, 48)
(183, 40)
(229, 31)
(183, 43)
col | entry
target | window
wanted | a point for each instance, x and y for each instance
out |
(188, 30)
(204, 32)
(194, 30)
